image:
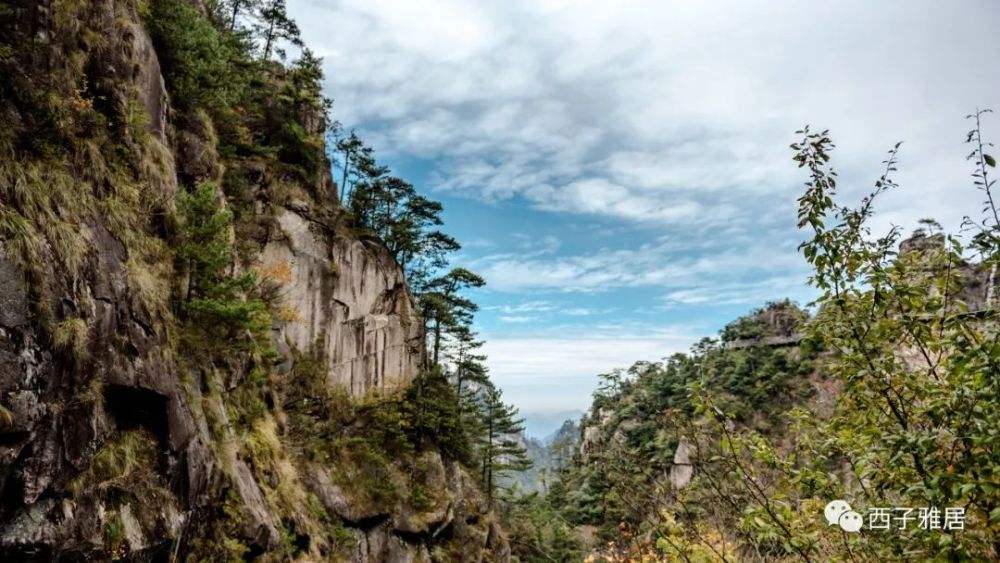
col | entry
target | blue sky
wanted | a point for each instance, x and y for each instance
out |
(619, 171)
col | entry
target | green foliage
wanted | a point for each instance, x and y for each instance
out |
(217, 534)
(124, 475)
(340, 536)
(74, 142)
(779, 318)
(199, 62)
(75, 150)
(445, 309)
(425, 416)
(370, 443)
(903, 414)
(114, 533)
(248, 399)
(125, 455)
(276, 26)
(390, 209)
(70, 336)
(205, 240)
(498, 446)
(915, 420)
(260, 109)
(538, 532)
(299, 95)
(431, 405)
(216, 301)
(234, 12)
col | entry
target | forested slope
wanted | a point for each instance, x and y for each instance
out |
(884, 397)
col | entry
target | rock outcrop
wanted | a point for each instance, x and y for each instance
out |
(348, 303)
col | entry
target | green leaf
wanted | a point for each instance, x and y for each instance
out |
(990, 161)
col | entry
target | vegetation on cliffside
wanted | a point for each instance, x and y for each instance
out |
(213, 447)
(885, 397)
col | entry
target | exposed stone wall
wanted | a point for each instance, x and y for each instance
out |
(348, 303)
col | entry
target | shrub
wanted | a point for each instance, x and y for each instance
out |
(70, 336)
(197, 59)
(218, 303)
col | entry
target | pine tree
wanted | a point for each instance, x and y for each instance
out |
(214, 299)
(499, 446)
(389, 208)
(275, 26)
(445, 309)
(469, 366)
(237, 8)
(470, 376)
(420, 249)
(351, 147)
(205, 251)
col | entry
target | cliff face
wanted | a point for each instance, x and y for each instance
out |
(115, 443)
(348, 303)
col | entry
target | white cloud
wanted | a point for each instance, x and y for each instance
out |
(586, 311)
(668, 116)
(516, 318)
(536, 306)
(755, 292)
(569, 367)
(672, 113)
(654, 264)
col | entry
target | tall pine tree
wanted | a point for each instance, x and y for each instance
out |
(275, 26)
(499, 444)
(445, 308)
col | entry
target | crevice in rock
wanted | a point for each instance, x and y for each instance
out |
(14, 438)
(135, 407)
(367, 523)
(413, 538)
(12, 495)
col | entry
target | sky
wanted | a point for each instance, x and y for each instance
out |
(619, 172)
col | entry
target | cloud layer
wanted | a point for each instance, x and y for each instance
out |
(677, 113)
(569, 366)
(665, 121)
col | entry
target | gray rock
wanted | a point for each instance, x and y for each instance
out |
(682, 470)
(261, 526)
(13, 296)
(338, 501)
(350, 305)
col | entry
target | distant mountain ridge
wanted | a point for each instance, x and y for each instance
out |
(545, 425)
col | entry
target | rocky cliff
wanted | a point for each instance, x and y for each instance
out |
(124, 431)
(348, 303)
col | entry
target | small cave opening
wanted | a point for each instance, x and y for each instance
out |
(134, 408)
(300, 540)
(14, 438)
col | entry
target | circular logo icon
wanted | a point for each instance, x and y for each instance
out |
(834, 509)
(850, 521)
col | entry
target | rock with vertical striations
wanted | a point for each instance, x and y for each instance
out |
(349, 304)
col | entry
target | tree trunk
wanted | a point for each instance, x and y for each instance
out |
(343, 185)
(236, 10)
(437, 340)
(270, 39)
(488, 469)
(989, 287)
